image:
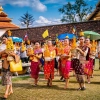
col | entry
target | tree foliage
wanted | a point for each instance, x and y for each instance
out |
(26, 20)
(76, 12)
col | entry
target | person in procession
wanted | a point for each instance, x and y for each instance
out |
(90, 58)
(79, 61)
(23, 53)
(5, 71)
(59, 52)
(49, 56)
(66, 61)
(35, 56)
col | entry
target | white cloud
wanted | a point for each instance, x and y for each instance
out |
(54, 1)
(42, 21)
(35, 4)
(38, 5)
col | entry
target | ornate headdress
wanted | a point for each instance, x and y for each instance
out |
(81, 33)
(74, 44)
(88, 37)
(67, 37)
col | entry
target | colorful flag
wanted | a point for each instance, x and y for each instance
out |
(74, 30)
(45, 34)
(25, 37)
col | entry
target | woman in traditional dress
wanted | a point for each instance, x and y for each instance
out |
(35, 62)
(66, 61)
(59, 52)
(6, 75)
(49, 56)
(91, 59)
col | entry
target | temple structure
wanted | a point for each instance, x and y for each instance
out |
(95, 15)
(5, 22)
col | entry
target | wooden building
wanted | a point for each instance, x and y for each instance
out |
(35, 33)
(5, 22)
(95, 14)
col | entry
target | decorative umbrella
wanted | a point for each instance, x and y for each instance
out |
(17, 39)
(63, 36)
(92, 35)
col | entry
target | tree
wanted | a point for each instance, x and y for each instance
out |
(27, 19)
(76, 12)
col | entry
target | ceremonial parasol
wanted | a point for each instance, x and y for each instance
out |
(17, 39)
(63, 36)
(93, 35)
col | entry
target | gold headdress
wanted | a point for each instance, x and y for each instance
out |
(57, 39)
(46, 52)
(9, 48)
(88, 37)
(9, 45)
(81, 33)
(67, 37)
(23, 47)
(74, 45)
(94, 44)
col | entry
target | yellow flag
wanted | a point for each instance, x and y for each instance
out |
(45, 34)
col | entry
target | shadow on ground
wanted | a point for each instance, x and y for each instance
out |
(95, 83)
(29, 86)
(1, 98)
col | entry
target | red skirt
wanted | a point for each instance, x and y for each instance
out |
(62, 66)
(34, 69)
(49, 69)
(67, 69)
(89, 67)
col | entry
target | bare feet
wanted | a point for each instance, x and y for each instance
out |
(65, 87)
(5, 96)
(50, 84)
(11, 92)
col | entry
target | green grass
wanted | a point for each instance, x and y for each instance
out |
(24, 89)
(19, 78)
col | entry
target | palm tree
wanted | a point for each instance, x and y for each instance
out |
(26, 20)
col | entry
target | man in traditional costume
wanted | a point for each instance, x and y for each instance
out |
(79, 60)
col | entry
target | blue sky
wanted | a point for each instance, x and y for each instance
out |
(45, 12)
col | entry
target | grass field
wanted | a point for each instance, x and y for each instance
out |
(24, 89)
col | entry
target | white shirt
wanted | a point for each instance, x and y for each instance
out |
(2, 47)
